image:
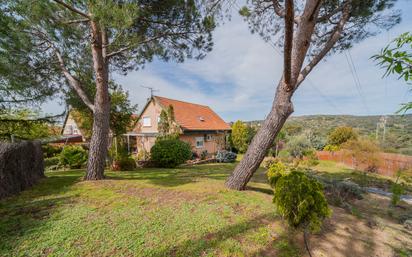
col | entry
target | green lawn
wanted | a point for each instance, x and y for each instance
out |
(333, 170)
(149, 212)
(164, 212)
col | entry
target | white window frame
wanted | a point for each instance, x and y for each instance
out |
(209, 137)
(145, 119)
(198, 140)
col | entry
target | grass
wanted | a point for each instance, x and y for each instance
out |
(333, 170)
(159, 212)
(149, 212)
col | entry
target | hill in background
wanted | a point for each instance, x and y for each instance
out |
(394, 135)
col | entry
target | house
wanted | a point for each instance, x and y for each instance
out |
(71, 132)
(196, 124)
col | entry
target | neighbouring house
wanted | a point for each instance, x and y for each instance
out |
(71, 132)
(196, 124)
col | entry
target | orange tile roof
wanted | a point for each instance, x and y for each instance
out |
(194, 116)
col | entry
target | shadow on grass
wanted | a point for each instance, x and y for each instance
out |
(198, 246)
(267, 191)
(176, 176)
(24, 213)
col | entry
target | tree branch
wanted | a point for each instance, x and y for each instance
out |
(130, 46)
(73, 82)
(328, 45)
(76, 21)
(281, 12)
(71, 8)
(288, 46)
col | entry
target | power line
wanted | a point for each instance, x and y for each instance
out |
(356, 80)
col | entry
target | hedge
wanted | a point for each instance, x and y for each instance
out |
(21, 166)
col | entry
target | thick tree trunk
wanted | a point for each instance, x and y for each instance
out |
(281, 110)
(101, 114)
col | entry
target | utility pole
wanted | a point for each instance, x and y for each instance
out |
(381, 125)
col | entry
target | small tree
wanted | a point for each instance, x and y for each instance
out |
(300, 200)
(298, 146)
(167, 125)
(364, 153)
(397, 58)
(340, 135)
(239, 136)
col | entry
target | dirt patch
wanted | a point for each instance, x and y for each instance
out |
(348, 235)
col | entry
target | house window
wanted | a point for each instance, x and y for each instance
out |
(75, 132)
(147, 122)
(200, 142)
(208, 137)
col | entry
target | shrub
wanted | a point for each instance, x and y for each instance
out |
(284, 156)
(365, 153)
(310, 158)
(275, 171)
(331, 148)
(300, 200)
(267, 162)
(51, 151)
(203, 155)
(340, 192)
(170, 153)
(226, 156)
(126, 163)
(73, 156)
(298, 146)
(143, 155)
(52, 161)
(341, 135)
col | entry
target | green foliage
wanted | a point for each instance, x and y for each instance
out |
(397, 58)
(366, 18)
(331, 148)
(51, 150)
(167, 125)
(73, 156)
(52, 161)
(397, 190)
(300, 200)
(34, 31)
(24, 124)
(125, 163)
(170, 153)
(241, 136)
(121, 111)
(276, 170)
(340, 135)
(298, 146)
(143, 155)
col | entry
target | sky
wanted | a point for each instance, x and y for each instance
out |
(238, 78)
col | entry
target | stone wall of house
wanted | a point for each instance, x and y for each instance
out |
(21, 166)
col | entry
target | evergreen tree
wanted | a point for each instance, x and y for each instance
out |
(308, 31)
(69, 42)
